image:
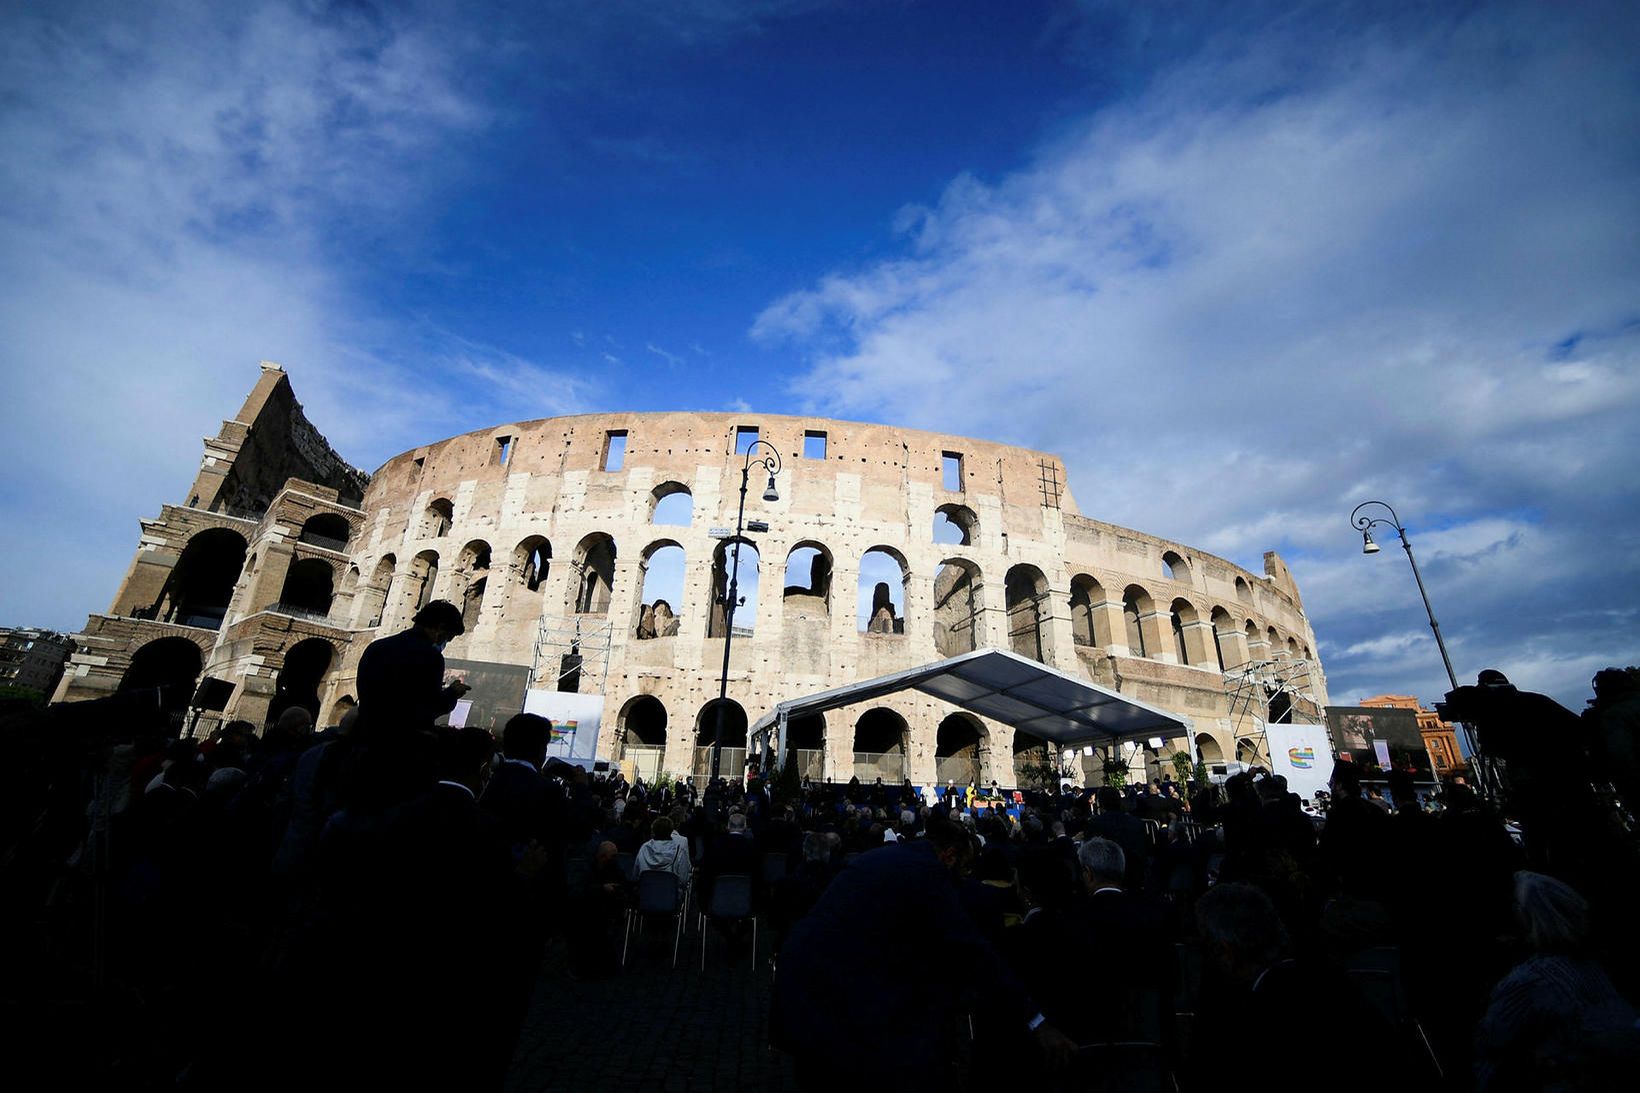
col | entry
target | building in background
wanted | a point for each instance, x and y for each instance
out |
(32, 659)
(590, 551)
(1439, 736)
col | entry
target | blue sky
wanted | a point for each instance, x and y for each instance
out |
(1241, 265)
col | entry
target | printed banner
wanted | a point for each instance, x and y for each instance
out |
(575, 720)
(1302, 754)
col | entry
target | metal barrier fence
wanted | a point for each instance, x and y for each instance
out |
(731, 766)
(869, 766)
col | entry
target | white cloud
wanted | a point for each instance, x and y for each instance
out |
(1261, 291)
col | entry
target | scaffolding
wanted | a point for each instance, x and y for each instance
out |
(1253, 689)
(569, 646)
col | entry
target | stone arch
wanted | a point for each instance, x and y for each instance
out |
(329, 530)
(671, 504)
(734, 723)
(641, 735)
(882, 600)
(1030, 751)
(1025, 593)
(1181, 614)
(1175, 567)
(1136, 605)
(306, 665)
(171, 664)
(879, 745)
(1244, 591)
(958, 607)
(1089, 626)
(737, 562)
(437, 518)
(370, 604)
(532, 558)
(1292, 647)
(470, 581)
(594, 564)
(424, 569)
(1209, 748)
(955, 525)
(806, 745)
(660, 589)
(1224, 628)
(1271, 636)
(958, 743)
(308, 587)
(808, 580)
(200, 587)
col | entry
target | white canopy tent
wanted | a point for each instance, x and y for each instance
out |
(1006, 687)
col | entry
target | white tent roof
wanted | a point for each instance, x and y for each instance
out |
(1009, 688)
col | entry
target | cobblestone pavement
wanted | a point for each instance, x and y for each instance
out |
(651, 1028)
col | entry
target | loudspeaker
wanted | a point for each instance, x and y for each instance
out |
(212, 694)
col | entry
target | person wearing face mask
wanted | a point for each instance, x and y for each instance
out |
(401, 692)
(401, 678)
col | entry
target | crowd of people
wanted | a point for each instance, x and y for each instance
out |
(373, 902)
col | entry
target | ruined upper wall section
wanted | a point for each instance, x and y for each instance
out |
(885, 467)
(270, 442)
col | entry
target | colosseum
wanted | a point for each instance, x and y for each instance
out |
(590, 556)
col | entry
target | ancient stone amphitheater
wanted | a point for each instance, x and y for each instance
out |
(590, 552)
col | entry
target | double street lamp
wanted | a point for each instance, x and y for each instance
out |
(731, 596)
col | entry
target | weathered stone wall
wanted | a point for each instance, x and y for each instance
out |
(1080, 594)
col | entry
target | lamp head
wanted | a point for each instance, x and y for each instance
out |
(1367, 545)
(770, 493)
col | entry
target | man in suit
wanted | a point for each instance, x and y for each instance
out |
(1133, 935)
(530, 807)
(1125, 830)
(732, 853)
(863, 982)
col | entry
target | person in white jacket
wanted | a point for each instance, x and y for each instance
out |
(662, 851)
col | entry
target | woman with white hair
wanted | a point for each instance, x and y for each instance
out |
(1556, 1022)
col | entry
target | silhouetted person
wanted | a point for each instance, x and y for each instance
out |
(1126, 831)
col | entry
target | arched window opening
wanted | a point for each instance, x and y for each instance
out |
(879, 746)
(531, 559)
(957, 607)
(308, 588)
(298, 681)
(1135, 605)
(1244, 591)
(1223, 627)
(472, 577)
(733, 760)
(201, 584)
(642, 736)
(881, 602)
(424, 571)
(806, 745)
(956, 750)
(1292, 648)
(374, 597)
(808, 581)
(672, 505)
(955, 525)
(1088, 624)
(595, 566)
(1174, 567)
(1180, 615)
(1035, 764)
(1026, 592)
(439, 517)
(743, 575)
(170, 664)
(1274, 639)
(1209, 748)
(662, 589)
(326, 529)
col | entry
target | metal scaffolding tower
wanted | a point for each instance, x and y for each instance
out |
(573, 648)
(1253, 687)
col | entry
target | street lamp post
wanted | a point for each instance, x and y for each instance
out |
(770, 463)
(1364, 524)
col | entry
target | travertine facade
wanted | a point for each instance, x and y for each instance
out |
(523, 523)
